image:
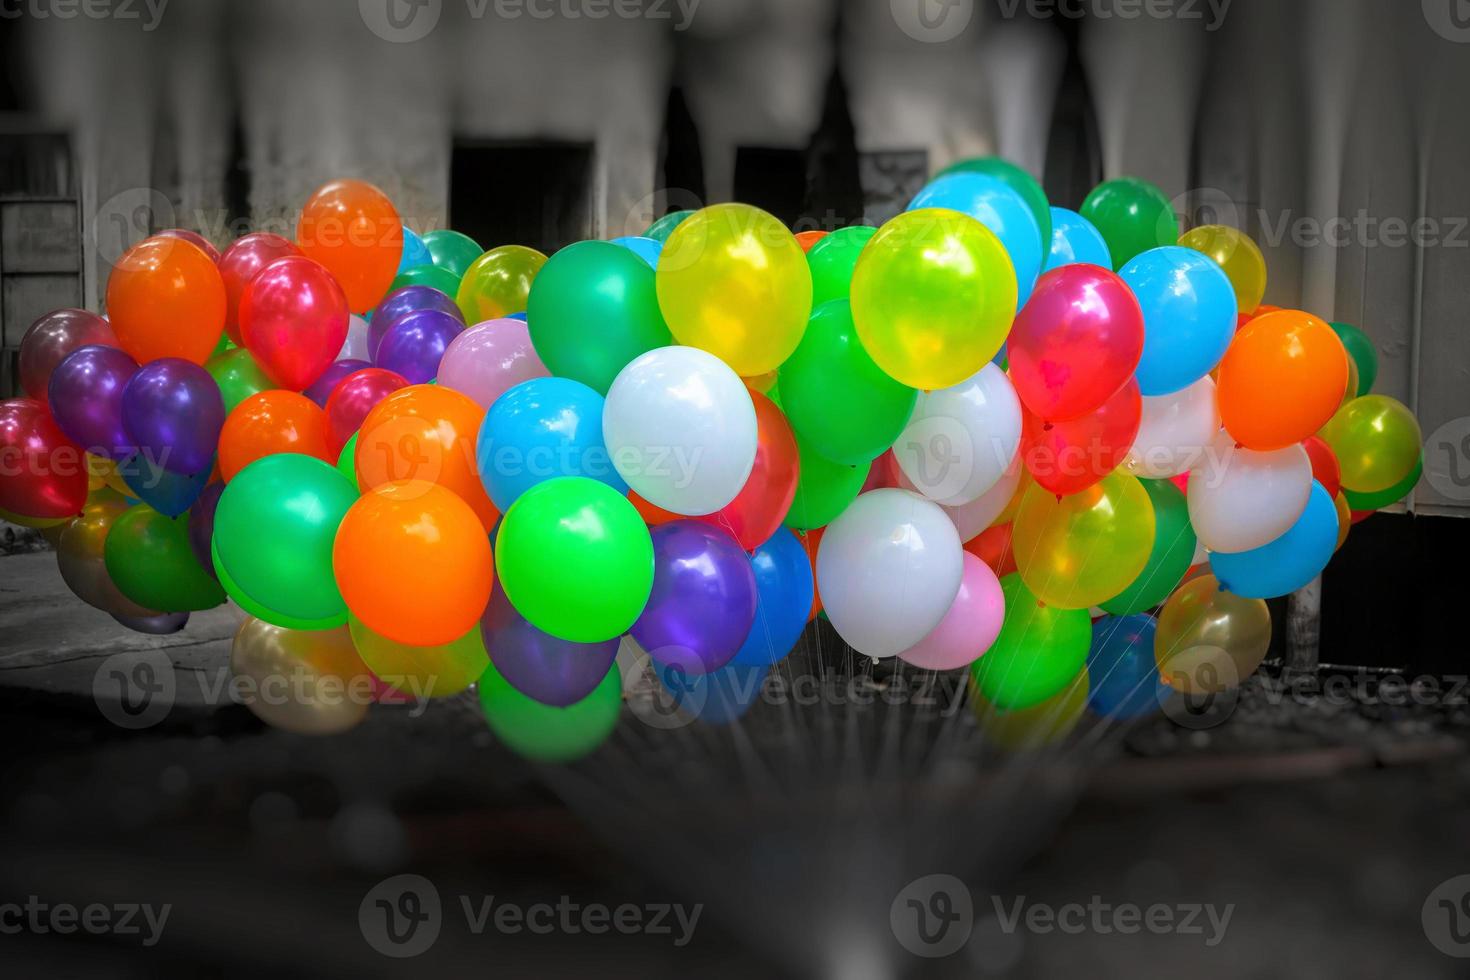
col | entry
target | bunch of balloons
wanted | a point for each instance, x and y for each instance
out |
(960, 437)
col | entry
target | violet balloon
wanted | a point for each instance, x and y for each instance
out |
(201, 525)
(51, 338)
(401, 301)
(85, 394)
(173, 412)
(542, 667)
(161, 625)
(321, 388)
(416, 343)
(487, 360)
(703, 601)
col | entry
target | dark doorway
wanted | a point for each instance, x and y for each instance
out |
(536, 193)
(773, 179)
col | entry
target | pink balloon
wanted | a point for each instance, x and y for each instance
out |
(488, 359)
(1075, 342)
(293, 318)
(969, 628)
(242, 259)
(53, 336)
(355, 396)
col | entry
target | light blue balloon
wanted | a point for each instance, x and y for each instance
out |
(1282, 566)
(718, 697)
(1188, 316)
(540, 429)
(415, 252)
(1122, 674)
(1075, 240)
(647, 249)
(996, 206)
(783, 588)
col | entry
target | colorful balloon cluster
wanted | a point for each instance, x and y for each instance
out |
(960, 436)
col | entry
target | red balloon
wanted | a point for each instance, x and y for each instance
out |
(293, 318)
(42, 472)
(761, 505)
(1075, 342)
(352, 399)
(1359, 516)
(239, 264)
(993, 547)
(884, 473)
(1068, 457)
(52, 337)
(1325, 469)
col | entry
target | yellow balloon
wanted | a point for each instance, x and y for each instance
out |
(1344, 518)
(1235, 252)
(1080, 550)
(308, 682)
(79, 556)
(1040, 725)
(422, 672)
(1208, 640)
(498, 282)
(732, 280)
(1377, 442)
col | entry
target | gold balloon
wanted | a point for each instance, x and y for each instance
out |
(1208, 640)
(1344, 518)
(1042, 724)
(79, 555)
(308, 682)
(102, 472)
(1235, 252)
(498, 282)
(422, 672)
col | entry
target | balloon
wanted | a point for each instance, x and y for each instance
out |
(425, 432)
(201, 524)
(173, 412)
(1068, 457)
(1325, 468)
(355, 347)
(452, 250)
(1210, 640)
(427, 275)
(268, 423)
(806, 239)
(307, 682)
(1344, 519)
(163, 624)
(1281, 380)
(969, 628)
(592, 309)
(51, 338)
(1376, 440)
(498, 282)
(415, 252)
(321, 389)
(1017, 180)
(1078, 551)
(1074, 240)
(1237, 255)
(293, 318)
(931, 297)
(415, 344)
(1382, 498)
(841, 402)
(1132, 215)
(889, 569)
(166, 299)
(1189, 316)
(1240, 499)
(435, 671)
(733, 281)
(1362, 353)
(784, 593)
(44, 473)
(994, 506)
(681, 429)
(960, 441)
(1287, 563)
(242, 260)
(86, 394)
(167, 492)
(998, 207)
(546, 733)
(540, 666)
(80, 558)
(347, 461)
(663, 227)
(238, 375)
(647, 249)
(993, 547)
(718, 697)
(823, 488)
(400, 302)
(575, 559)
(487, 360)
(1170, 557)
(351, 228)
(1038, 652)
(764, 501)
(832, 261)
(1032, 729)
(149, 559)
(703, 599)
(1075, 343)
(1173, 430)
(1122, 676)
(353, 398)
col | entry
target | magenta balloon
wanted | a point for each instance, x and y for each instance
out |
(241, 262)
(703, 601)
(51, 338)
(416, 344)
(1075, 342)
(172, 411)
(971, 625)
(352, 399)
(86, 396)
(401, 301)
(489, 359)
(293, 319)
(542, 667)
(321, 388)
(193, 238)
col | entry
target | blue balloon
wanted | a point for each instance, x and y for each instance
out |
(718, 697)
(999, 208)
(1075, 240)
(1122, 674)
(167, 492)
(784, 589)
(1188, 316)
(647, 249)
(415, 252)
(539, 429)
(521, 316)
(1282, 566)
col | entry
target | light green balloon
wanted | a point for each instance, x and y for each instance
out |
(832, 260)
(547, 733)
(1039, 650)
(238, 374)
(347, 459)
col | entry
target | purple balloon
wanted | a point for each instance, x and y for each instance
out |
(703, 601)
(173, 412)
(542, 667)
(201, 525)
(161, 625)
(86, 396)
(406, 300)
(416, 343)
(321, 388)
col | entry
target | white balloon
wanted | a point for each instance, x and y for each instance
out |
(1240, 499)
(680, 428)
(972, 518)
(1175, 431)
(961, 439)
(356, 344)
(888, 570)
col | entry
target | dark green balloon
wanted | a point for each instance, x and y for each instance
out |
(1132, 215)
(1363, 353)
(149, 559)
(832, 260)
(1017, 180)
(823, 490)
(1172, 553)
(238, 375)
(661, 229)
(1382, 498)
(428, 275)
(452, 251)
(546, 733)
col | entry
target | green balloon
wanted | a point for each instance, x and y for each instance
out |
(823, 490)
(835, 397)
(547, 733)
(832, 260)
(347, 460)
(1039, 651)
(1132, 215)
(428, 275)
(1363, 353)
(149, 559)
(592, 309)
(273, 616)
(238, 375)
(575, 558)
(1017, 180)
(225, 343)
(452, 250)
(1172, 553)
(661, 229)
(273, 533)
(1382, 498)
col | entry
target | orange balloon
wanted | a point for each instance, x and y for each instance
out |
(1281, 379)
(414, 564)
(428, 433)
(352, 228)
(806, 239)
(270, 422)
(653, 515)
(810, 542)
(166, 299)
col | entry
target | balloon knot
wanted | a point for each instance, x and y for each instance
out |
(1047, 426)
